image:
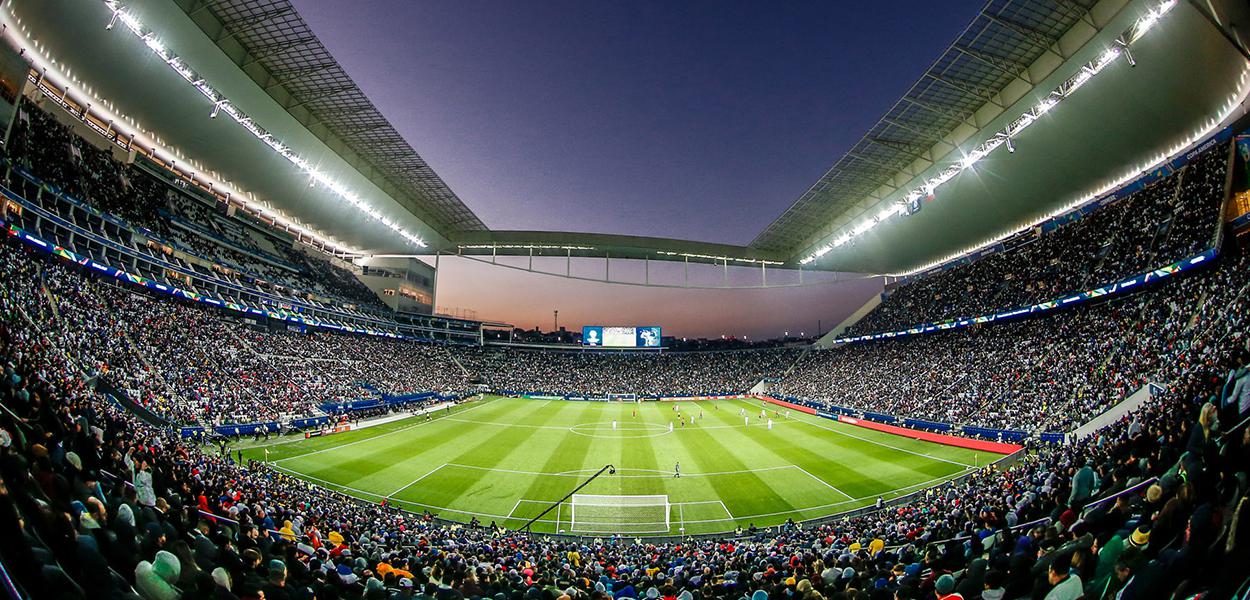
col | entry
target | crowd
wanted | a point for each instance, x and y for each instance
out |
(1171, 219)
(96, 503)
(644, 374)
(1043, 374)
(194, 365)
(198, 365)
(52, 152)
(1050, 373)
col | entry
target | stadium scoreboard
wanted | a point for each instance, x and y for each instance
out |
(621, 337)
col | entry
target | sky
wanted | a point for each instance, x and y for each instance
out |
(692, 120)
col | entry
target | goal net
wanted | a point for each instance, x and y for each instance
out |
(622, 397)
(589, 513)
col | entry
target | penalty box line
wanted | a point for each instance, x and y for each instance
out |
(644, 473)
(680, 506)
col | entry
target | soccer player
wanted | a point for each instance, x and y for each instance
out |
(613, 425)
(670, 427)
(770, 424)
(746, 421)
(677, 470)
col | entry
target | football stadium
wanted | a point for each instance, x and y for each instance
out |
(550, 301)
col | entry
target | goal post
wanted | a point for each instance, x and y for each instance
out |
(606, 514)
(622, 397)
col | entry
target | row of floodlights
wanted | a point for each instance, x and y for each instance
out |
(1004, 137)
(223, 105)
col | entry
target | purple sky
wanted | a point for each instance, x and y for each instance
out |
(693, 120)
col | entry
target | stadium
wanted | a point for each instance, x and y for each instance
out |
(232, 370)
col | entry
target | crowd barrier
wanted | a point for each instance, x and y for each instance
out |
(829, 411)
(234, 429)
(842, 415)
(928, 436)
(386, 400)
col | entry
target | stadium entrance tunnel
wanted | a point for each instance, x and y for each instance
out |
(605, 429)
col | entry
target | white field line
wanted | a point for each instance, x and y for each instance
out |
(414, 481)
(621, 426)
(652, 473)
(513, 511)
(732, 517)
(378, 437)
(875, 442)
(419, 413)
(331, 484)
(829, 485)
(659, 473)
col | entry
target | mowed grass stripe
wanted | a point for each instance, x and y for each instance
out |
(565, 455)
(487, 492)
(873, 443)
(287, 450)
(752, 470)
(743, 493)
(858, 468)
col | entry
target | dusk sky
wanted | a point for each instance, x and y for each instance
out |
(693, 120)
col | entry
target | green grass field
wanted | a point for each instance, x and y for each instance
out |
(506, 460)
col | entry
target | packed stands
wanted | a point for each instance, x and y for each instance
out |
(175, 216)
(195, 365)
(1171, 219)
(99, 504)
(644, 374)
(1040, 374)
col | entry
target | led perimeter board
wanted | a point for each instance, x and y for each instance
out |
(621, 337)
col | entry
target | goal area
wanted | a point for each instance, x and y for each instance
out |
(607, 514)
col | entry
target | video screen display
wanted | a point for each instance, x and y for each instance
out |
(621, 337)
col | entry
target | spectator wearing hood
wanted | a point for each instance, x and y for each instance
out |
(156, 580)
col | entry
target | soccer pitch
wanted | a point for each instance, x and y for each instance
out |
(506, 460)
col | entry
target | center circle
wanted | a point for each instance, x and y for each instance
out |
(603, 429)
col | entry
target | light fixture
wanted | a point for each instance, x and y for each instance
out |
(150, 39)
(1085, 73)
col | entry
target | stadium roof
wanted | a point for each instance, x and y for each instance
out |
(262, 57)
(272, 44)
(1000, 44)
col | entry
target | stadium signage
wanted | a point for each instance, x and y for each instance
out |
(1100, 292)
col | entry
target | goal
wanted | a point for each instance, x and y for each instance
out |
(589, 513)
(622, 397)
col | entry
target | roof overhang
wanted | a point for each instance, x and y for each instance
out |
(1118, 123)
(603, 245)
(114, 70)
(1188, 76)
